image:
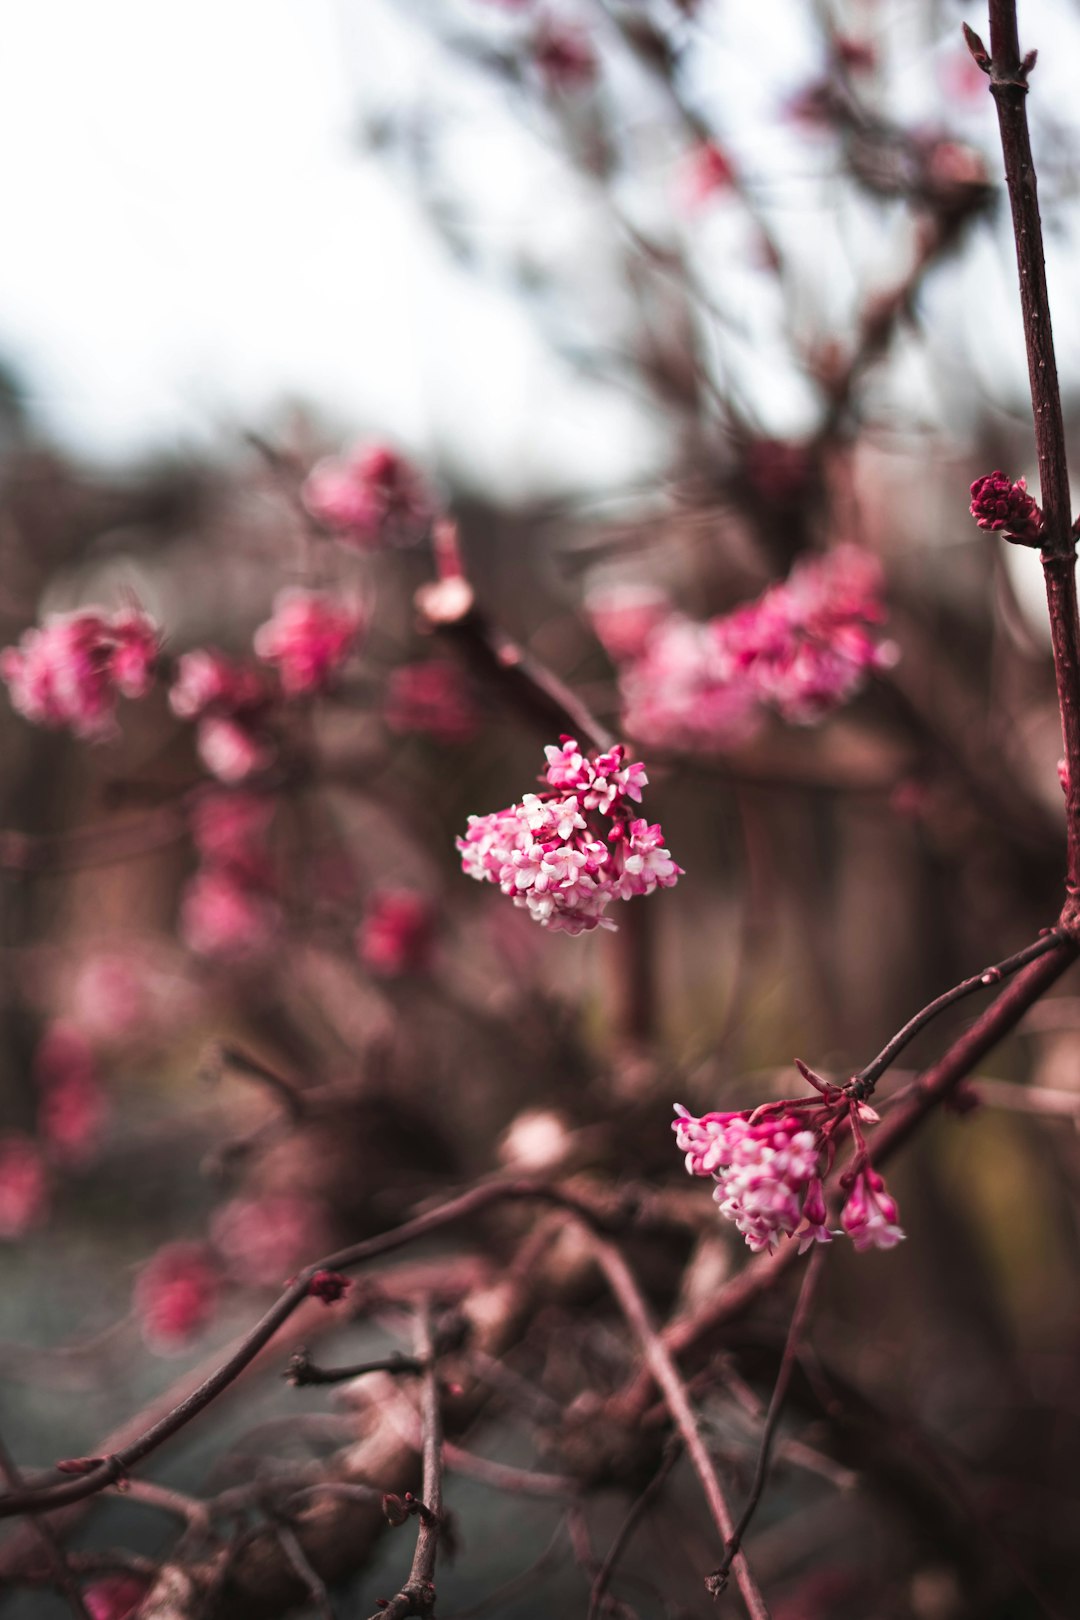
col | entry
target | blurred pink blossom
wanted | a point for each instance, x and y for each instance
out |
(370, 498)
(434, 698)
(803, 648)
(397, 933)
(24, 1188)
(624, 616)
(70, 670)
(116, 1597)
(176, 1296)
(232, 750)
(231, 828)
(309, 637)
(222, 914)
(72, 1107)
(264, 1240)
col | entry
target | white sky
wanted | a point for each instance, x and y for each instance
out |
(192, 234)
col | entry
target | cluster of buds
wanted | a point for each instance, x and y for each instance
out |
(309, 637)
(369, 499)
(769, 1165)
(803, 648)
(70, 671)
(999, 504)
(229, 907)
(566, 853)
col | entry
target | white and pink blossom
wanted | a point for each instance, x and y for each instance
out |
(564, 855)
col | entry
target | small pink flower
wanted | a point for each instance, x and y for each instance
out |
(433, 698)
(309, 638)
(369, 499)
(223, 915)
(137, 642)
(205, 679)
(24, 1188)
(397, 933)
(705, 172)
(72, 1107)
(231, 829)
(263, 1240)
(870, 1216)
(176, 1296)
(231, 749)
(116, 1597)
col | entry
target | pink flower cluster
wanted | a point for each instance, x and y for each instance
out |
(227, 701)
(566, 853)
(433, 698)
(802, 648)
(999, 504)
(70, 671)
(371, 498)
(397, 933)
(309, 637)
(769, 1164)
(229, 908)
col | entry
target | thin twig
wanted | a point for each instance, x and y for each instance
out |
(316, 1586)
(302, 1371)
(867, 1078)
(800, 1316)
(104, 1470)
(633, 1518)
(63, 1577)
(417, 1596)
(1008, 86)
(669, 1379)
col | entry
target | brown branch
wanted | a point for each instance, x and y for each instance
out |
(1009, 87)
(107, 1469)
(302, 1371)
(864, 1082)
